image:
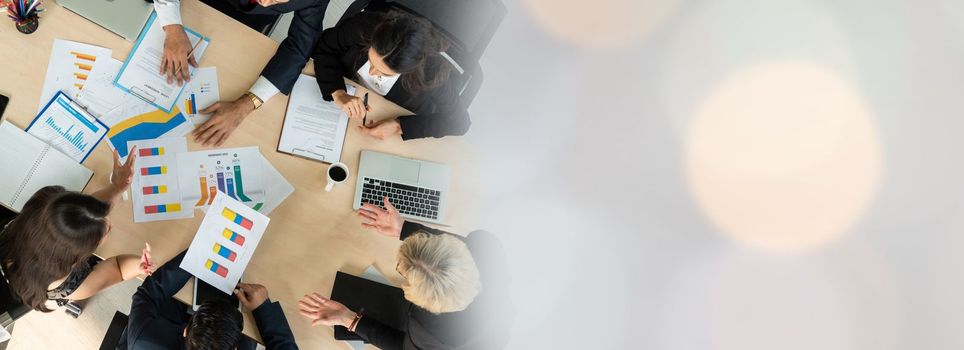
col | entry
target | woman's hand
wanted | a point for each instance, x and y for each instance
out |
(324, 311)
(266, 3)
(177, 55)
(353, 106)
(147, 262)
(383, 130)
(226, 118)
(123, 174)
(386, 221)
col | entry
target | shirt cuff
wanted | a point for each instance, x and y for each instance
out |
(264, 89)
(168, 12)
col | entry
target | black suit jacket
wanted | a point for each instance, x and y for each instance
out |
(157, 321)
(342, 50)
(473, 328)
(293, 53)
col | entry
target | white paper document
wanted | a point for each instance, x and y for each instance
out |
(156, 190)
(67, 127)
(313, 128)
(238, 172)
(277, 188)
(99, 96)
(201, 92)
(69, 68)
(140, 74)
(224, 243)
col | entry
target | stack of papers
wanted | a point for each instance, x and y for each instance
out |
(169, 182)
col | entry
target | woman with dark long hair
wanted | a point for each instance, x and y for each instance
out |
(399, 56)
(44, 251)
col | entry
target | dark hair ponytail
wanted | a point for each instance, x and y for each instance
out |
(55, 232)
(411, 46)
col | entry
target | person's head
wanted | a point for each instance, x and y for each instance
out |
(216, 325)
(54, 233)
(405, 44)
(440, 274)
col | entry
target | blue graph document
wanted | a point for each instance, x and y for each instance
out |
(68, 128)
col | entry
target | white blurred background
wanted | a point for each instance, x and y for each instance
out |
(728, 174)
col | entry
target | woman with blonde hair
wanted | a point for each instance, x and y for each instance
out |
(447, 281)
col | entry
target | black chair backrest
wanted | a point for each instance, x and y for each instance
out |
(11, 308)
(468, 24)
(114, 332)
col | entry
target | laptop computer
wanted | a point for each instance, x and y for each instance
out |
(122, 17)
(417, 188)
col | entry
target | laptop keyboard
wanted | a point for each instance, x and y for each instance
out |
(410, 200)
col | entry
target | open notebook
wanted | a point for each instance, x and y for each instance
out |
(30, 164)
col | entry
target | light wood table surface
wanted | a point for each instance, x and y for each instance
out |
(312, 234)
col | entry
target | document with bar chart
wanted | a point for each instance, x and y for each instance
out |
(67, 127)
(202, 92)
(238, 172)
(224, 242)
(156, 192)
(69, 68)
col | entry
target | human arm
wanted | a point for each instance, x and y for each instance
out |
(113, 271)
(333, 45)
(121, 177)
(154, 295)
(178, 53)
(268, 315)
(389, 222)
(444, 114)
(322, 311)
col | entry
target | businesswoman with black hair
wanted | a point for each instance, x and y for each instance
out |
(44, 251)
(396, 55)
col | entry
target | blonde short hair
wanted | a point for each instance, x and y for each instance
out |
(440, 273)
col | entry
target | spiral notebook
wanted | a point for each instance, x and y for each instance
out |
(30, 164)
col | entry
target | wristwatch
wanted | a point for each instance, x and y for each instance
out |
(254, 99)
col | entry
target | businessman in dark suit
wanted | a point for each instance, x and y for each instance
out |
(278, 76)
(157, 321)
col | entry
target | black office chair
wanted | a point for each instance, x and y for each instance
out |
(114, 331)
(11, 309)
(469, 25)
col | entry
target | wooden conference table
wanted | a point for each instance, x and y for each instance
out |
(312, 234)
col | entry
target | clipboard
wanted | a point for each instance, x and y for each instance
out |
(153, 97)
(81, 115)
(307, 145)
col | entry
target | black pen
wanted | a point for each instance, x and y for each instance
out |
(364, 120)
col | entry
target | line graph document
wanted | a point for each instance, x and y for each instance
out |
(313, 128)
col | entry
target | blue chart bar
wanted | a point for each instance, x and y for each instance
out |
(76, 139)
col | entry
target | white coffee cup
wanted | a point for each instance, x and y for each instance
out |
(337, 173)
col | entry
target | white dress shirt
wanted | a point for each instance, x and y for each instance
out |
(376, 83)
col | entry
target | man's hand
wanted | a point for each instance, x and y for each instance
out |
(324, 311)
(383, 130)
(251, 295)
(353, 106)
(225, 119)
(386, 221)
(177, 55)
